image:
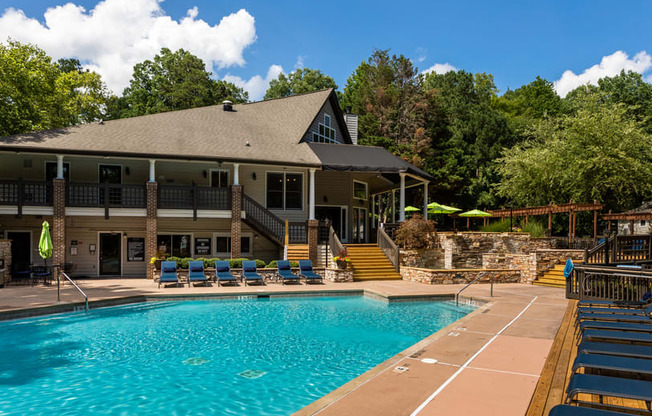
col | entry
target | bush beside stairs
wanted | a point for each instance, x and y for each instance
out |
(553, 277)
(369, 262)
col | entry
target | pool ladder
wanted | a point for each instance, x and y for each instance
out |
(74, 284)
(457, 295)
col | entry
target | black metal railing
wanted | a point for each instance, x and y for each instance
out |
(621, 249)
(608, 283)
(25, 193)
(193, 197)
(105, 195)
(272, 226)
(390, 248)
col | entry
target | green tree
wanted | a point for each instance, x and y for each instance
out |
(172, 81)
(597, 153)
(298, 82)
(35, 94)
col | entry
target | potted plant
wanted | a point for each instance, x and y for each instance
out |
(156, 260)
(342, 260)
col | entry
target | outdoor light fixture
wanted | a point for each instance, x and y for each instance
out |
(127, 171)
(253, 175)
(325, 199)
(205, 174)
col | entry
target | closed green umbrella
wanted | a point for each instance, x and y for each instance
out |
(475, 213)
(45, 243)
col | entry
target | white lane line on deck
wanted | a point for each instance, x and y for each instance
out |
(466, 364)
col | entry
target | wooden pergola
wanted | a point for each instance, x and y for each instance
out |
(630, 216)
(571, 208)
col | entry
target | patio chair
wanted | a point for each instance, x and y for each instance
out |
(305, 271)
(639, 366)
(566, 410)
(168, 273)
(250, 274)
(622, 388)
(611, 336)
(223, 273)
(196, 273)
(622, 311)
(285, 272)
(613, 318)
(616, 326)
(620, 350)
(637, 304)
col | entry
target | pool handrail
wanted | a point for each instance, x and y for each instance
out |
(74, 284)
(457, 295)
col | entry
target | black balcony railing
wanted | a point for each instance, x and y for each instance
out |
(105, 195)
(25, 193)
(608, 283)
(194, 198)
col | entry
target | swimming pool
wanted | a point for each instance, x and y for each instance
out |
(233, 357)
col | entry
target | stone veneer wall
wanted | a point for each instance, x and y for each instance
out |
(443, 276)
(424, 258)
(5, 253)
(533, 265)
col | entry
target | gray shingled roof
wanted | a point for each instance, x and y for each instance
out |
(272, 128)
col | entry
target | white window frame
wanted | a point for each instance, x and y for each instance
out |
(228, 177)
(327, 120)
(221, 254)
(303, 189)
(366, 190)
(122, 174)
(192, 240)
(325, 138)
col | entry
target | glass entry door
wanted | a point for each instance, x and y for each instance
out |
(110, 254)
(359, 225)
(337, 216)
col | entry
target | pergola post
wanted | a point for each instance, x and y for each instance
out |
(401, 214)
(425, 200)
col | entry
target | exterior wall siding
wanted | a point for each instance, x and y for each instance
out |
(314, 127)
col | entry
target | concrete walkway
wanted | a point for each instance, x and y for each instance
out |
(488, 363)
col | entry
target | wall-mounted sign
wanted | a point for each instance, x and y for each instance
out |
(135, 249)
(202, 246)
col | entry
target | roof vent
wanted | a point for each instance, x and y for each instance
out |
(227, 105)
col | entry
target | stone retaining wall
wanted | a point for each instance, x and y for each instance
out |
(533, 265)
(445, 276)
(547, 259)
(425, 258)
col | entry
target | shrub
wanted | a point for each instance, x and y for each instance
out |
(272, 264)
(416, 232)
(208, 262)
(535, 229)
(501, 226)
(237, 263)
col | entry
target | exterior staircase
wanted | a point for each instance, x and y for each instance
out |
(553, 277)
(369, 262)
(298, 252)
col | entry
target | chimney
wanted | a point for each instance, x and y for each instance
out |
(227, 105)
(351, 121)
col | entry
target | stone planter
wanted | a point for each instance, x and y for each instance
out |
(342, 265)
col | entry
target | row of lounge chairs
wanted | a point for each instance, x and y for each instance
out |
(615, 353)
(223, 275)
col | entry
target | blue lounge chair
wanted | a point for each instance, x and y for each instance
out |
(196, 273)
(611, 336)
(223, 273)
(615, 317)
(285, 272)
(168, 273)
(613, 304)
(620, 350)
(250, 274)
(566, 410)
(615, 326)
(610, 363)
(622, 311)
(305, 271)
(623, 388)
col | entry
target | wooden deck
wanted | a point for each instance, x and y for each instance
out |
(551, 388)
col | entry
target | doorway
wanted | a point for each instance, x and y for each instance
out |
(359, 225)
(337, 215)
(21, 250)
(110, 254)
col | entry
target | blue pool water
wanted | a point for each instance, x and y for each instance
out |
(232, 357)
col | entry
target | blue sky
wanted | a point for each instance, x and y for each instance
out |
(513, 40)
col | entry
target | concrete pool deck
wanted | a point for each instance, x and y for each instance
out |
(488, 362)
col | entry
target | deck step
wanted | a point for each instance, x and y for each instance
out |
(553, 277)
(298, 252)
(369, 262)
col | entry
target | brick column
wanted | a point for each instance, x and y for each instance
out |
(58, 226)
(151, 226)
(236, 220)
(313, 226)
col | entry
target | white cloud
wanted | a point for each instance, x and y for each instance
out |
(116, 34)
(256, 85)
(440, 68)
(299, 63)
(609, 66)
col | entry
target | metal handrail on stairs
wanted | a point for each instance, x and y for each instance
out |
(74, 284)
(457, 295)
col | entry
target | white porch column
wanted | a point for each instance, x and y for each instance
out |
(152, 170)
(311, 205)
(60, 167)
(425, 200)
(401, 214)
(236, 174)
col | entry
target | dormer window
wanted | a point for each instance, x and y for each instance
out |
(325, 134)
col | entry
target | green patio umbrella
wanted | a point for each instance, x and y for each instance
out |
(45, 243)
(410, 208)
(435, 208)
(475, 213)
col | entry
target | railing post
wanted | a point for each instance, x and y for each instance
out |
(106, 200)
(20, 194)
(194, 202)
